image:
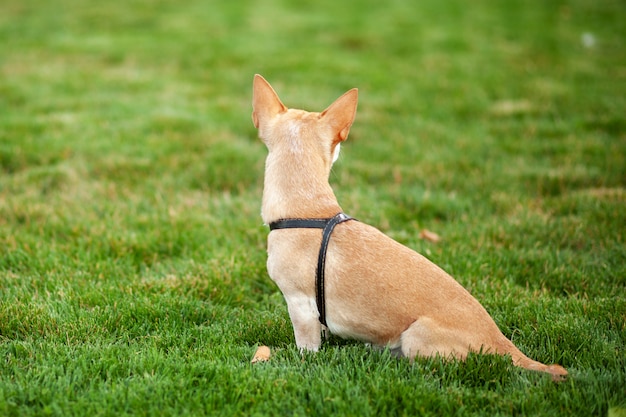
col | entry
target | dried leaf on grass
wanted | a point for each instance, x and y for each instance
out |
(429, 236)
(262, 354)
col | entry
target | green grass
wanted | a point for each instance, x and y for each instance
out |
(132, 253)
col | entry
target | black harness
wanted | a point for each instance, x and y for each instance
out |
(327, 225)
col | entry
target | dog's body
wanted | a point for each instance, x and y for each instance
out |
(377, 290)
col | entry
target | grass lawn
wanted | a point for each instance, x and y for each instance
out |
(132, 252)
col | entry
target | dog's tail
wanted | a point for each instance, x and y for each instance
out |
(519, 359)
(504, 346)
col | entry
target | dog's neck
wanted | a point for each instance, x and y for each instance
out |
(296, 188)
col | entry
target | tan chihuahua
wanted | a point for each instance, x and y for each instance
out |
(375, 289)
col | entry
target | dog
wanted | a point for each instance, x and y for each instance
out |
(373, 288)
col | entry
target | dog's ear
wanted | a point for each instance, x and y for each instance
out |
(341, 114)
(265, 101)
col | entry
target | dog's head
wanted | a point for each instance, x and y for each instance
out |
(298, 131)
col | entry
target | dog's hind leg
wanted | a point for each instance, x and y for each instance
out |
(424, 337)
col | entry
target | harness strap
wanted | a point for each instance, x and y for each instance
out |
(328, 225)
(299, 224)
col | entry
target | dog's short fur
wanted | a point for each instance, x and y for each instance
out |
(377, 290)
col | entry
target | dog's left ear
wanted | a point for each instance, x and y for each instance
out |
(265, 101)
(341, 114)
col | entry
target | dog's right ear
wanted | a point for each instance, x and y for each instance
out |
(341, 114)
(265, 101)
